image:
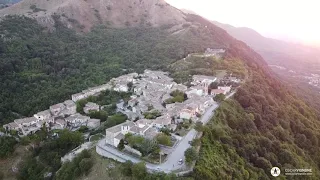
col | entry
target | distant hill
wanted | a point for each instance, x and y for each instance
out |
(290, 55)
(86, 14)
(9, 1)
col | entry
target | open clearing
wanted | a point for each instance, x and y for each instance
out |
(104, 168)
(13, 161)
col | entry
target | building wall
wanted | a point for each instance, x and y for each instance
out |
(116, 142)
(134, 151)
(110, 138)
(93, 125)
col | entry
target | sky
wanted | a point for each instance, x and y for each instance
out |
(292, 20)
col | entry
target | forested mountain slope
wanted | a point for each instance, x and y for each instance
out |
(264, 125)
(40, 68)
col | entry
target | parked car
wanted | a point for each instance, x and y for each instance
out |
(180, 162)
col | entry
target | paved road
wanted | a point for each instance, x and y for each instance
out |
(171, 164)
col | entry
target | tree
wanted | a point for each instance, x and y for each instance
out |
(121, 145)
(83, 129)
(85, 165)
(166, 131)
(196, 142)
(191, 155)
(214, 85)
(135, 140)
(127, 168)
(130, 85)
(139, 170)
(199, 126)
(163, 139)
(219, 97)
(177, 96)
(148, 146)
(7, 145)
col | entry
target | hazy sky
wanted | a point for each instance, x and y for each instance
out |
(295, 19)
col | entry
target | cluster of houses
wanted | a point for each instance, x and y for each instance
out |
(58, 116)
(314, 79)
(61, 115)
(150, 92)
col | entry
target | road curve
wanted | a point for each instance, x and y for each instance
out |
(171, 164)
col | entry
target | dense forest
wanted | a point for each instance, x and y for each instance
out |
(40, 68)
(7, 146)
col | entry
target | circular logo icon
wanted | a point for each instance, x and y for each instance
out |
(275, 171)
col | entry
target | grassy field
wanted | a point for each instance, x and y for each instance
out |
(13, 161)
(104, 169)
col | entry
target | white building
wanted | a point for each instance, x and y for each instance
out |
(60, 124)
(26, 121)
(121, 88)
(93, 123)
(78, 96)
(190, 111)
(90, 106)
(195, 91)
(204, 80)
(121, 130)
(162, 121)
(215, 92)
(11, 126)
(77, 120)
(186, 114)
(214, 52)
(57, 108)
(118, 132)
(225, 88)
(43, 115)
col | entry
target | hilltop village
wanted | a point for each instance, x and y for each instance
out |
(137, 116)
(154, 111)
(152, 93)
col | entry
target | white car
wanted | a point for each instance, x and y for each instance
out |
(180, 162)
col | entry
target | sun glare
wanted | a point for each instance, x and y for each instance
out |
(293, 19)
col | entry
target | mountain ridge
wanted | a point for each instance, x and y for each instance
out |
(274, 51)
(84, 15)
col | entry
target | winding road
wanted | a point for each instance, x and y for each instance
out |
(171, 164)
